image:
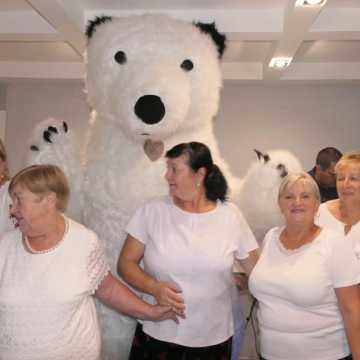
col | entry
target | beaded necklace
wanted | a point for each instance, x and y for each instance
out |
(36, 252)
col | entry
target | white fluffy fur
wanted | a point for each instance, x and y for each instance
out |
(115, 176)
(259, 191)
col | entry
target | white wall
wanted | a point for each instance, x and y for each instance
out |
(28, 103)
(301, 118)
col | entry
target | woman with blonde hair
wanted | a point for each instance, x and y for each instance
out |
(306, 282)
(5, 222)
(343, 214)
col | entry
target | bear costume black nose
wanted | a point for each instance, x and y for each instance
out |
(150, 109)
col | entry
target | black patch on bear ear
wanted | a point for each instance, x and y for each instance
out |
(92, 24)
(262, 156)
(53, 129)
(47, 136)
(259, 154)
(218, 38)
(282, 170)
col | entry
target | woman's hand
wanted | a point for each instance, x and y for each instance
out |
(169, 294)
(161, 312)
(241, 280)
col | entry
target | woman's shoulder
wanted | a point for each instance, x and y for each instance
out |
(80, 234)
(273, 234)
(229, 207)
(329, 238)
(330, 206)
(154, 207)
(10, 238)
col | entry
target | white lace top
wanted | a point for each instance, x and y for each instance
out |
(47, 310)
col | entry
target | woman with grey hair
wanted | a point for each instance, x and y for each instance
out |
(306, 283)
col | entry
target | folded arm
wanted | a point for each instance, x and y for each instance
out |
(118, 296)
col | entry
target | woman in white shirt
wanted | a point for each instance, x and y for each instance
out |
(306, 283)
(5, 222)
(343, 214)
(51, 267)
(188, 242)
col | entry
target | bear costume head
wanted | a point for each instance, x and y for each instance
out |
(152, 92)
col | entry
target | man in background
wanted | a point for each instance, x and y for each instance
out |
(324, 174)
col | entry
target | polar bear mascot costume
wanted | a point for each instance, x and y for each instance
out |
(258, 195)
(152, 82)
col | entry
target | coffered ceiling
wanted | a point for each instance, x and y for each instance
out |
(43, 39)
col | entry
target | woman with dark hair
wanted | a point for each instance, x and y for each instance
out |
(188, 242)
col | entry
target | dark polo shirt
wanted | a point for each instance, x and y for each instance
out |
(327, 193)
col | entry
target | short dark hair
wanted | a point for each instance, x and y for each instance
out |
(199, 156)
(326, 156)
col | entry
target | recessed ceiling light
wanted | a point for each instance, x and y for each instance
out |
(310, 2)
(280, 62)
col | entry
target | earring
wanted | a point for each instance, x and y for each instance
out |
(198, 184)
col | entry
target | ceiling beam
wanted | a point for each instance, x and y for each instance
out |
(35, 37)
(41, 70)
(296, 24)
(63, 20)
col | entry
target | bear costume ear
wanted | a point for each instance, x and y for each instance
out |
(218, 38)
(261, 156)
(92, 24)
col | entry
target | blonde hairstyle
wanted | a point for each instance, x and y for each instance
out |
(43, 179)
(291, 179)
(3, 157)
(350, 158)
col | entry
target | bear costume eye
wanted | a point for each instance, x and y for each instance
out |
(120, 57)
(187, 65)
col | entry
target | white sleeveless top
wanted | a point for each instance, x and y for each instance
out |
(47, 310)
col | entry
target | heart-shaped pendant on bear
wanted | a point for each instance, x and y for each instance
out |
(153, 149)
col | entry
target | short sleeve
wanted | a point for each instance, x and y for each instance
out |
(345, 267)
(244, 237)
(137, 227)
(97, 265)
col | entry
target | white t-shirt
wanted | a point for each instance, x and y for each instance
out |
(326, 219)
(298, 312)
(196, 251)
(5, 223)
(47, 311)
